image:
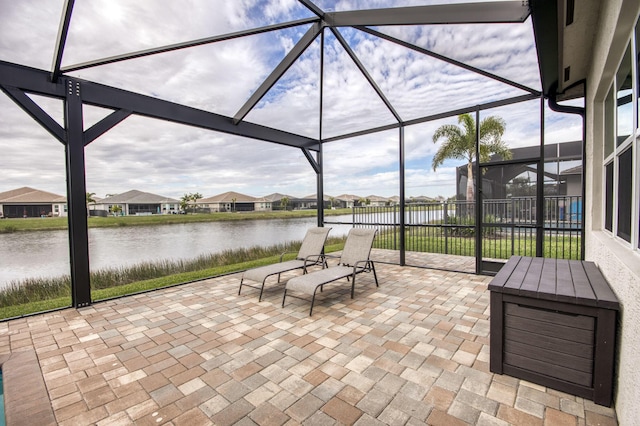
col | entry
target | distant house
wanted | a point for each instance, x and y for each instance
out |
(394, 200)
(377, 201)
(347, 200)
(276, 201)
(233, 201)
(29, 202)
(138, 203)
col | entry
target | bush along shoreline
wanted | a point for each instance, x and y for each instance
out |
(40, 294)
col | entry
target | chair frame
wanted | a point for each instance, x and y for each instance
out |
(364, 265)
(310, 260)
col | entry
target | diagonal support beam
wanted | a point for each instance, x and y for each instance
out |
(104, 125)
(312, 161)
(279, 71)
(312, 7)
(447, 114)
(447, 59)
(37, 113)
(366, 74)
(61, 40)
(188, 44)
(461, 13)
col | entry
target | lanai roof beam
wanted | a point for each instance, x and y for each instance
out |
(61, 40)
(461, 13)
(187, 44)
(279, 71)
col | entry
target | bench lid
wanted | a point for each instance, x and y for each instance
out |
(561, 280)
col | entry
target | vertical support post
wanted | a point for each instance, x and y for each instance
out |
(320, 174)
(445, 221)
(76, 196)
(478, 203)
(540, 187)
(402, 198)
(320, 188)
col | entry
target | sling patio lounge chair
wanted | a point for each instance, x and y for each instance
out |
(354, 260)
(310, 254)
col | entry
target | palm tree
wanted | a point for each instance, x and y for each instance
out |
(460, 143)
(284, 202)
(116, 209)
(89, 200)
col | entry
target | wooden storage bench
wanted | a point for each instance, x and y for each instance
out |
(553, 322)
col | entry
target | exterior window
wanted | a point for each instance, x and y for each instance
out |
(609, 122)
(637, 52)
(624, 98)
(625, 166)
(621, 176)
(608, 210)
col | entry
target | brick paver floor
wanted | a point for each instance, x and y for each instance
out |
(413, 351)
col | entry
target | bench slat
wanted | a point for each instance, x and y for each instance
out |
(515, 281)
(504, 274)
(531, 281)
(605, 296)
(584, 292)
(565, 290)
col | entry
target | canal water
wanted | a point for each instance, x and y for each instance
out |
(46, 253)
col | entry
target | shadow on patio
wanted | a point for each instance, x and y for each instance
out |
(413, 351)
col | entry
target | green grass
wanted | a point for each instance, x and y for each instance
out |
(557, 247)
(57, 223)
(40, 295)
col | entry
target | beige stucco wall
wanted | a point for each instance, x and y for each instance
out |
(618, 262)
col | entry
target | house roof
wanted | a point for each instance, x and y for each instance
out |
(30, 195)
(230, 197)
(137, 197)
(347, 197)
(277, 197)
(577, 170)
(376, 198)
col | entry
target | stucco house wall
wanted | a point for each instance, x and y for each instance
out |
(618, 261)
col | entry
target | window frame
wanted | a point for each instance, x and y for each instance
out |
(611, 179)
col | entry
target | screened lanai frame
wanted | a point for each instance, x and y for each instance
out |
(16, 81)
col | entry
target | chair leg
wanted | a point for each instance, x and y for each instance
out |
(353, 285)
(240, 289)
(313, 299)
(373, 268)
(284, 296)
(261, 291)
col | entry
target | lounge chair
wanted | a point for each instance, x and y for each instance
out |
(310, 254)
(354, 260)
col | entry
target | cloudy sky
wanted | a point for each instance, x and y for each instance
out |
(171, 160)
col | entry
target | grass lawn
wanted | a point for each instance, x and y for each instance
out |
(55, 223)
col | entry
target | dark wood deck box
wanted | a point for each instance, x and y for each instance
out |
(553, 322)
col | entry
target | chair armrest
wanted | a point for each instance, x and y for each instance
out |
(286, 252)
(310, 259)
(364, 268)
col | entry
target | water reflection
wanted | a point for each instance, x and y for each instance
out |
(42, 254)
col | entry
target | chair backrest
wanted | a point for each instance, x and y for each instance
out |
(358, 245)
(313, 242)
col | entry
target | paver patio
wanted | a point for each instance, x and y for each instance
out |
(413, 351)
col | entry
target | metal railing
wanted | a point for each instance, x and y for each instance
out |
(509, 227)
